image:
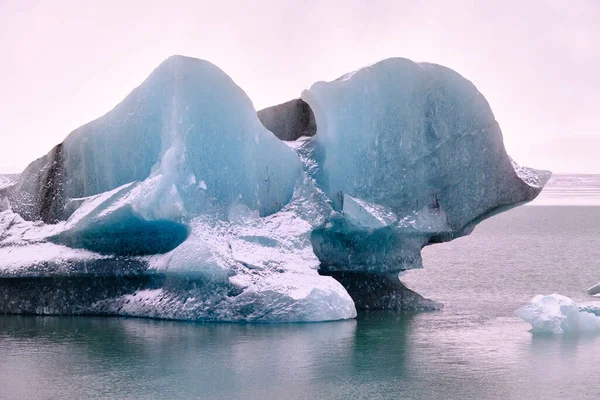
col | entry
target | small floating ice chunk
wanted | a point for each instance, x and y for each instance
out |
(594, 290)
(558, 314)
(592, 307)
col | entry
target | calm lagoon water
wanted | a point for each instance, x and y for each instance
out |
(474, 349)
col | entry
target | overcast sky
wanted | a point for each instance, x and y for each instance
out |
(64, 63)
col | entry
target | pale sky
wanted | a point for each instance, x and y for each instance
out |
(65, 63)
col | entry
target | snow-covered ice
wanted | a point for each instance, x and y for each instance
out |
(559, 314)
(8, 180)
(191, 209)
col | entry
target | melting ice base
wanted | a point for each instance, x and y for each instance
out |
(559, 314)
(184, 206)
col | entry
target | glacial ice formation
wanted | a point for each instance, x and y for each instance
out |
(559, 314)
(180, 204)
(410, 154)
(189, 132)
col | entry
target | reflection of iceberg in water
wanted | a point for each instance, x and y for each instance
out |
(379, 355)
(324, 360)
(559, 314)
(216, 360)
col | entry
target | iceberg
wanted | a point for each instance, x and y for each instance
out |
(594, 290)
(179, 203)
(559, 314)
(188, 131)
(410, 154)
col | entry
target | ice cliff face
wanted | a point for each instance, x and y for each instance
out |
(180, 204)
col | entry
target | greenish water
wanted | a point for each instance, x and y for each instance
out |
(474, 349)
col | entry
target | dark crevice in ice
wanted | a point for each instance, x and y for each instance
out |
(290, 120)
(51, 194)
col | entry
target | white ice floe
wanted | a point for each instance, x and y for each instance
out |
(559, 314)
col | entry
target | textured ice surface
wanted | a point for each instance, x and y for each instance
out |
(592, 307)
(8, 180)
(240, 268)
(188, 126)
(559, 314)
(411, 154)
(181, 179)
(402, 134)
(179, 204)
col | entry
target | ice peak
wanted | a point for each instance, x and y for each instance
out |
(180, 62)
(178, 68)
